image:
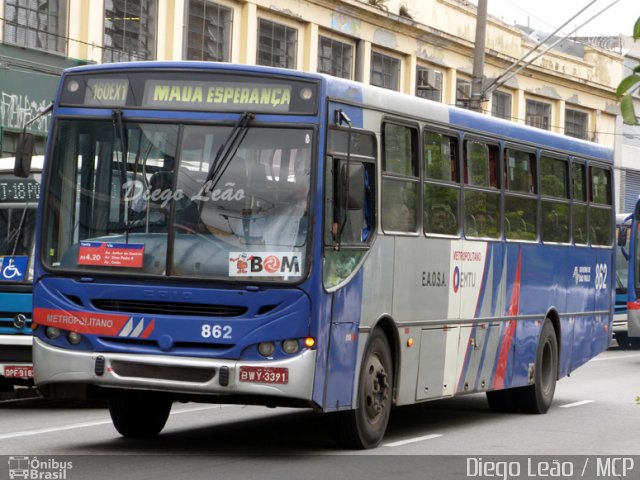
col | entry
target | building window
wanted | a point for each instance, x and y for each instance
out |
(35, 24)
(208, 31)
(429, 83)
(538, 114)
(335, 57)
(129, 30)
(575, 124)
(463, 93)
(385, 71)
(276, 44)
(9, 143)
(501, 105)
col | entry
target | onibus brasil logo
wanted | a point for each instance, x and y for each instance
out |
(36, 469)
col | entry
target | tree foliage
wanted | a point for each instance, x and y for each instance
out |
(628, 85)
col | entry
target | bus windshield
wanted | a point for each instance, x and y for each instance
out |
(140, 197)
(18, 203)
(622, 267)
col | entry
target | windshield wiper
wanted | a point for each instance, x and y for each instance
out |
(227, 150)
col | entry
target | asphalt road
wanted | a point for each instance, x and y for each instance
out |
(595, 412)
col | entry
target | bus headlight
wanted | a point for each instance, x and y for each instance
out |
(266, 349)
(52, 332)
(74, 338)
(290, 346)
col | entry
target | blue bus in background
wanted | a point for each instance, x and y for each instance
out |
(625, 291)
(18, 204)
(628, 240)
(239, 234)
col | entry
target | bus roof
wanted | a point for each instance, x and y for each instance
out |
(391, 101)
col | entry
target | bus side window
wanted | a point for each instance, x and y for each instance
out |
(441, 187)
(579, 207)
(521, 204)
(400, 179)
(554, 188)
(481, 198)
(600, 207)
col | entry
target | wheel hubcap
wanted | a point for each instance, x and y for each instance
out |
(376, 389)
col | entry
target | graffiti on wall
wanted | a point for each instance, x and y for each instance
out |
(17, 109)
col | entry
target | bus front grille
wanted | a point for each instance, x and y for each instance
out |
(15, 353)
(169, 308)
(162, 372)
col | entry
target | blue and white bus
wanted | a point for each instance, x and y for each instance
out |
(238, 234)
(620, 320)
(18, 203)
(628, 239)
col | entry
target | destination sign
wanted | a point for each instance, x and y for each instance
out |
(18, 190)
(217, 95)
(109, 91)
(197, 90)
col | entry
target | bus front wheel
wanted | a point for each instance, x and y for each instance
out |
(537, 398)
(139, 414)
(364, 427)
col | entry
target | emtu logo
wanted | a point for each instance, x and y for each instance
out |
(456, 280)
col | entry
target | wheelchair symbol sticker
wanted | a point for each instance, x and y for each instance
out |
(14, 268)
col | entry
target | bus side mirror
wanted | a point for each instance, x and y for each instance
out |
(24, 153)
(351, 184)
(622, 236)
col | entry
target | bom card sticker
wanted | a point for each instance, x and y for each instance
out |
(264, 264)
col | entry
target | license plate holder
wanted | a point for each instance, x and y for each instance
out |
(18, 371)
(273, 375)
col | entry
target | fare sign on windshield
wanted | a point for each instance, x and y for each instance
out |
(111, 254)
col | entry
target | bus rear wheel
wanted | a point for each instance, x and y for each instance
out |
(537, 398)
(364, 427)
(139, 414)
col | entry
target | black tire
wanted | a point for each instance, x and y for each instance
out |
(537, 398)
(365, 426)
(625, 342)
(139, 414)
(6, 386)
(502, 401)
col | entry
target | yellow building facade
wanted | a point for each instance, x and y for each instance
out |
(420, 47)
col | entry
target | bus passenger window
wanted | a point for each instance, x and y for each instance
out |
(579, 207)
(520, 204)
(399, 200)
(441, 194)
(480, 162)
(400, 179)
(481, 198)
(600, 208)
(440, 157)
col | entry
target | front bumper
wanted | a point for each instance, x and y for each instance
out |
(186, 375)
(620, 322)
(14, 364)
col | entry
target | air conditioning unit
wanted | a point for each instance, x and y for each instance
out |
(464, 91)
(426, 78)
